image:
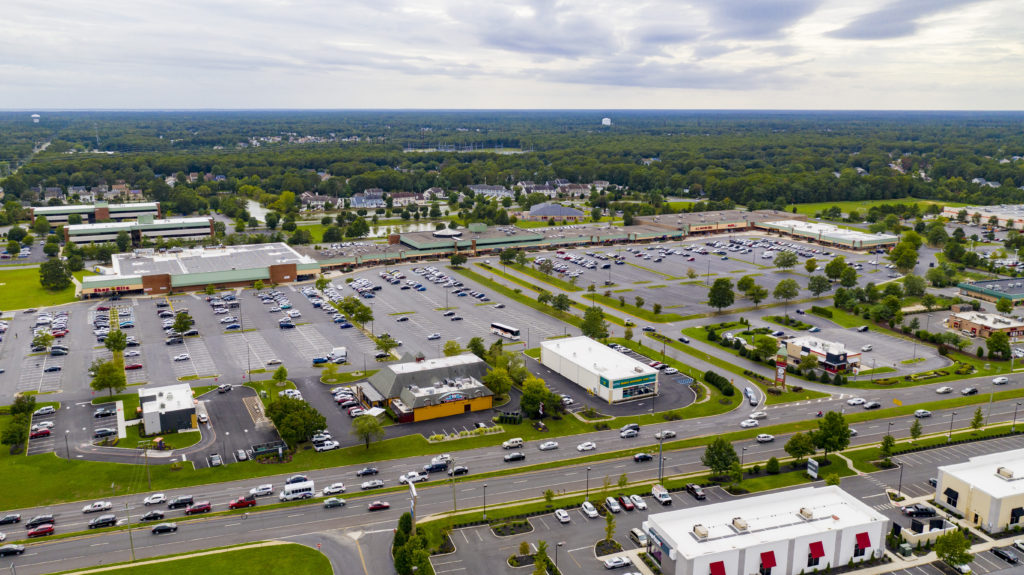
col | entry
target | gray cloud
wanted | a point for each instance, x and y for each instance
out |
(899, 19)
(757, 20)
(631, 72)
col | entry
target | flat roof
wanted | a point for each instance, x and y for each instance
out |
(209, 260)
(166, 398)
(997, 288)
(828, 231)
(818, 344)
(770, 518)
(598, 358)
(490, 235)
(433, 363)
(1001, 211)
(992, 320)
(982, 472)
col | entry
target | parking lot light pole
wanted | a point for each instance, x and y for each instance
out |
(587, 496)
(485, 502)
(67, 450)
(950, 436)
(742, 453)
(455, 506)
(661, 459)
(899, 487)
(1013, 425)
(557, 547)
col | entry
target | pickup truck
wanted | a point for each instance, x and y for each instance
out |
(243, 502)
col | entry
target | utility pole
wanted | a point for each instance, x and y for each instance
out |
(455, 506)
(131, 539)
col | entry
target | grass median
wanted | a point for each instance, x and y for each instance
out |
(539, 275)
(291, 558)
(633, 310)
(519, 297)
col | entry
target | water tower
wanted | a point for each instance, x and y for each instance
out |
(35, 118)
(606, 121)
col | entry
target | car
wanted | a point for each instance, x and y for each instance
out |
(515, 456)
(1000, 381)
(765, 438)
(616, 562)
(586, 446)
(856, 401)
(262, 490)
(944, 389)
(917, 510)
(872, 405)
(863, 328)
(458, 470)
(612, 505)
(499, 306)
(759, 415)
(97, 506)
(327, 446)
(969, 391)
(367, 471)
(448, 314)
(642, 457)
(53, 368)
(665, 434)
(10, 518)
(1006, 554)
(412, 477)
(42, 425)
(202, 418)
(104, 412)
(297, 478)
(241, 502)
(216, 460)
(332, 502)
(11, 549)
(548, 446)
(180, 501)
(589, 510)
(39, 433)
(638, 502)
(133, 366)
(922, 413)
(41, 530)
(164, 528)
(378, 506)
(628, 433)
(224, 388)
(562, 516)
(457, 318)
(334, 489)
(867, 347)
(154, 515)
(1018, 544)
(814, 329)
(102, 432)
(107, 520)
(132, 353)
(233, 326)
(748, 423)
(648, 328)
(201, 507)
(182, 357)
(695, 490)
(963, 568)
(372, 484)
(626, 503)
(434, 336)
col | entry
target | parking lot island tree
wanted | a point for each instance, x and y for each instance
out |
(458, 260)
(785, 260)
(720, 294)
(818, 285)
(609, 526)
(719, 457)
(43, 339)
(594, 325)
(183, 322)
(295, 419)
(756, 294)
(451, 348)
(953, 548)
(915, 429)
(367, 428)
(280, 375)
(786, 290)
(108, 377)
(116, 341)
(386, 343)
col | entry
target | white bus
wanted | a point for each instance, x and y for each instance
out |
(505, 331)
(301, 490)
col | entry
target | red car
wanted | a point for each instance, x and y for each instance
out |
(103, 308)
(133, 366)
(378, 506)
(44, 529)
(201, 507)
(59, 333)
(243, 502)
(39, 433)
(626, 503)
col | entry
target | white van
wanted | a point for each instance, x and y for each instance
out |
(514, 443)
(294, 491)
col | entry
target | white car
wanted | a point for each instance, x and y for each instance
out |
(412, 477)
(671, 371)
(98, 506)
(1000, 381)
(944, 389)
(274, 361)
(154, 499)
(548, 445)
(589, 510)
(228, 319)
(132, 353)
(327, 446)
(666, 434)
(922, 413)
(748, 423)
(182, 357)
(334, 488)
(586, 446)
(262, 490)
(561, 515)
(612, 505)
(765, 438)
(434, 336)
(758, 415)
(867, 348)
(42, 425)
(638, 502)
(855, 401)
(616, 562)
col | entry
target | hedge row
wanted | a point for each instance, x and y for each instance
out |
(720, 382)
(823, 312)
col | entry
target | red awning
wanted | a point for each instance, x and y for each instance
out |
(817, 550)
(718, 568)
(863, 540)
(768, 559)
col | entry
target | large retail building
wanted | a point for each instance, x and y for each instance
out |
(785, 533)
(98, 212)
(599, 369)
(431, 388)
(988, 490)
(146, 228)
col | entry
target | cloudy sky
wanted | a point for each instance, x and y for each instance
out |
(595, 54)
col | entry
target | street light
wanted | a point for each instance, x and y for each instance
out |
(742, 453)
(485, 502)
(889, 431)
(587, 496)
(950, 436)
(1014, 424)
(67, 450)
(661, 460)
(557, 547)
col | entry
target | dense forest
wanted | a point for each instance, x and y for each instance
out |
(760, 159)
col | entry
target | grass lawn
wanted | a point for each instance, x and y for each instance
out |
(642, 313)
(537, 274)
(290, 558)
(348, 377)
(533, 352)
(171, 440)
(269, 387)
(863, 206)
(130, 401)
(608, 317)
(519, 297)
(20, 289)
(862, 458)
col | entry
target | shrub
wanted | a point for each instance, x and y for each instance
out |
(823, 312)
(772, 467)
(719, 382)
(773, 391)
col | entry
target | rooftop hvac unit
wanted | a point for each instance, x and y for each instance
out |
(700, 531)
(1004, 472)
(806, 513)
(740, 524)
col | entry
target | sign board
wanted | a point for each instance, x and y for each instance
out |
(812, 468)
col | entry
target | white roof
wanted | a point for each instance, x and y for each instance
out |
(991, 320)
(770, 518)
(169, 398)
(829, 230)
(598, 358)
(435, 363)
(981, 473)
(818, 344)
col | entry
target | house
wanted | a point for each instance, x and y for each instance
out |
(77, 191)
(488, 191)
(600, 185)
(135, 196)
(547, 190)
(434, 193)
(193, 177)
(524, 184)
(311, 201)
(171, 180)
(574, 190)
(369, 200)
(548, 211)
(399, 199)
(112, 194)
(557, 183)
(53, 193)
(120, 188)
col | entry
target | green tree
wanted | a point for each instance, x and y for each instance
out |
(1004, 305)
(450, 348)
(116, 341)
(40, 226)
(538, 401)
(594, 325)
(786, 290)
(42, 339)
(835, 268)
(459, 260)
(904, 257)
(766, 347)
(719, 456)
(51, 249)
(272, 219)
(110, 377)
(15, 434)
(811, 265)
(123, 241)
(999, 345)
(280, 375)
(544, 298)
(386, 343)
(367, 428)
(498, 381)
(54, 274)
(182, 322)
(23, 404)
(322, 283)
(978, 420)
(358, 228)
(13, 247)
(833, 433)
(210, 289)
(16, 234)
(476, 345)
(720, 294)
(521, 257)
(745, 283)
(609, 526)
(656, 308)
(887, 448)
(329, 372)
(785, 260)
(913, 286)
(799, 446)
(295, 420)
(628, 334)
(638, 301)
(507, 256)
(595, 214)
(915, 429)
(848, 278)
(953, 547)
(541, 562)
(772, 467)
(561, 302)
(257, 285)
(832, 479)
(818, 285)
(757, 294)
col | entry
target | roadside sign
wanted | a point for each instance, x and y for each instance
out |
(812, 468)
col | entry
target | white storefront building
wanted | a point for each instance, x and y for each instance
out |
(601, 370)
(785, 533)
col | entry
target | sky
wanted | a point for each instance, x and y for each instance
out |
(512, 54)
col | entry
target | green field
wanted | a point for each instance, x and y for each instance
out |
(20, 289)
(290, 558)
(846, 207)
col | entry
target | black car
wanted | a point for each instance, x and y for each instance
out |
(382, 355)
(108, 520)
(1005, 554)
(642, 457)
(104, 412)
(296, 479)
(164, 528)
(918, 510)
(11, 550)
(152, 516)
(969, 391)
(191, 332)
(367, 471)
(10, 518)
(516, 456)
(872, 405)
(695, 490)
(458, 470)
(52, 368)
(39, 520)
(178, 502)
(683, 339)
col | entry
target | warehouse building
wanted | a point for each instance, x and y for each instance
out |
(549, 211)
(995, 290)
(829, 235)
(150, 272)
(832, 355)
(432, 388)
(719, 221)
(146, 228)
(987, 490)
(602, 371)
(1009, 216)
(787, 533)
(98, 212)
(978, 324)
(167, 409)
